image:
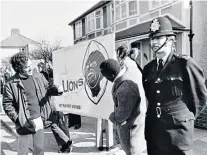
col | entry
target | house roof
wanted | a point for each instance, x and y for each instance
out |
(143, 28)
(96, 6)
(17, 40)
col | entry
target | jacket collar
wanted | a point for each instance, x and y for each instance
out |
(17, 79)
(118, 81)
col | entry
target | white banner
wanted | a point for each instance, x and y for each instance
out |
(76, 68)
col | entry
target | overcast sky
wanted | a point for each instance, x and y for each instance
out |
(39, 20)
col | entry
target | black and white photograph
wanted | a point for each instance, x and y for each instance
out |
(103, 77)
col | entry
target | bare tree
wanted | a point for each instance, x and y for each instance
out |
(44, 51)
(5, 63)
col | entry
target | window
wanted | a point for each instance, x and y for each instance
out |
(94, 21)
(112, 16)
(117, 2)
(124, 8)
(132, 8)
(78, 29)
(98, 23)
(118, 13)
(157, 3)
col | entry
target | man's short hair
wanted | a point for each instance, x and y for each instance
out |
(19, 61)
(110, 66)
(122, 51)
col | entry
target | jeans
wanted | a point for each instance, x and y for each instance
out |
(38, 140)
(59, 128)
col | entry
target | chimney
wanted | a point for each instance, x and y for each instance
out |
(15, 31)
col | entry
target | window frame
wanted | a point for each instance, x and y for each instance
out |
(78, 29)
(121, 2)
(137, 4)
(159, 5)
(93, 17)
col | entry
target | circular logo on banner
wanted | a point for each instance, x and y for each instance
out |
(95, 84)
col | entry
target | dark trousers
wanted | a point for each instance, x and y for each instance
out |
(74, 119)
(170, 134)
(152, 151)
(59, 128)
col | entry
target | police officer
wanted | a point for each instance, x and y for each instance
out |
(174, 87)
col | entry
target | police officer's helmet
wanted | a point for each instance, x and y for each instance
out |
(161, 26)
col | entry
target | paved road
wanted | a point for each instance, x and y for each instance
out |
(85, 140)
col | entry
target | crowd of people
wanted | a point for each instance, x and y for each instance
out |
(154, 107)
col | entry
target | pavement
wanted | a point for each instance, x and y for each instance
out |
(84, 139)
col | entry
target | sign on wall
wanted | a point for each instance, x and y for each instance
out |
(76, 68)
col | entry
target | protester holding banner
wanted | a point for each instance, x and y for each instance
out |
(54, 118)
(128, 112)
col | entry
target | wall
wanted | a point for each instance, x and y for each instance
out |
(200, 46)
(145, 47)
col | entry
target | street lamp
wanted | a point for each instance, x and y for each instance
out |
(191, 34)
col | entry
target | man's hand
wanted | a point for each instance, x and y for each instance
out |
(55, 90)
(60, 89)
(111, 117)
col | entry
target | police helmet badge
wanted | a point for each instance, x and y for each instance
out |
(155, 25)
(95, 84)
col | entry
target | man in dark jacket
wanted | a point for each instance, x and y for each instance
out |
(22, 97)
(43, 70)
(174, 87)
(54, 118)
(127, 115)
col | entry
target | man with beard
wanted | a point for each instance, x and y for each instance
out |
(174, 87)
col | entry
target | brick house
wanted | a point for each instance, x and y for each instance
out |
(130, 21)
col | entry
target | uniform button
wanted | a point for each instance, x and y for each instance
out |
(158, 116)
(158, 91)
(158, 104)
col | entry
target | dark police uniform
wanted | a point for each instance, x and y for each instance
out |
(174, 96)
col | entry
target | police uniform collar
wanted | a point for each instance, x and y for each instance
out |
(164, 59)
